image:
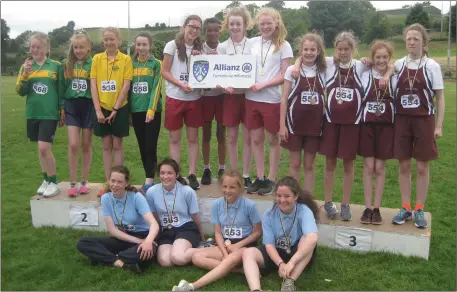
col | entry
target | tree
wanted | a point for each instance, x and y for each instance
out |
(61, 35)
(378, 27)
(426, 3)
(406, 6)
(331, 17)
(147, 26)
(297, 22)
(156, 24)
(417, 14)
(71, 25)
(5, 38)
(276, 4)
(234, 4)
(163, 25)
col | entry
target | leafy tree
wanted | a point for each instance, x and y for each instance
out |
(331, 17)
(406, 6)
(276, 4)
(147, 26)
(426, 3)
(156, 24)
(417, 14)
(234, 4)
(71, 25)
(297, 22)
(163, 25)
(378, 27)
(5, 38)
(61, 35)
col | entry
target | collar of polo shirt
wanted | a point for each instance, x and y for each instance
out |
(417, 61)
(291, 214)
(120, 200)
(172, 190)
(105, 55)
(237, 203)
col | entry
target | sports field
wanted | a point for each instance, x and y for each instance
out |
(46, 258)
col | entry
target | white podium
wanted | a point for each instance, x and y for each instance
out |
(84, 212)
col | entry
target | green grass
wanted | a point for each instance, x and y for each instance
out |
(46, 258)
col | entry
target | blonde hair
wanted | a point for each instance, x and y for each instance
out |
(349, 37)
(381, 44)
(112, 29)
(312, 37)
(71, 57)
(242, 11)
(44, 39)
(280, 33)
(425, 37)
(234, 174)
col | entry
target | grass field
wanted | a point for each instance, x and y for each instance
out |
(46, 258)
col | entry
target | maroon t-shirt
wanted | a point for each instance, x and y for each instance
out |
(344, 103)
(418, 100)
(305, 109)
(381, 110)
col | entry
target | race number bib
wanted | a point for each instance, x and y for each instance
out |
(308, 97)
(40, 88)
(373, 106)
(410, 101)
(174, 220)
(184, 77)
(81, 85)
(282, 243)
(109, 86)
(140, 87)
(233, 232)
(345, 94)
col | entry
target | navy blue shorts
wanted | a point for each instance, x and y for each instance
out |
(270, 265)
(188, 231)
(41, 130)
(79, 113)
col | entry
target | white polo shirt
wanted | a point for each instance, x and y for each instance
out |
(180, 71)
(231, 48)
(271, 68)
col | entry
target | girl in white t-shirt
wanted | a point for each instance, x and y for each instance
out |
(264, 97)
(238, 21)
(183, 104)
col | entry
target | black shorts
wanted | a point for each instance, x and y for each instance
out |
(188, 231)
(271, 266)
(120, 126)
(41, 130)
(233, 241)
(79, 112)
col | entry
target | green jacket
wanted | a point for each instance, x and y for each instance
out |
(42, 90)
(145, 88)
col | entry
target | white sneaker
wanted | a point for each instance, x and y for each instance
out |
(42, 188)
(51, 190)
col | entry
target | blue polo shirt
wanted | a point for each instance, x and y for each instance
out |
(135, 208)
(305, 223)
(185, 205)
(246, 216)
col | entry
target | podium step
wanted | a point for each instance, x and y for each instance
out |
(84, 212)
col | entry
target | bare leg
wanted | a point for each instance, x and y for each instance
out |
(348, 179)
(247, 150)
(192, 140)
(118, 151)
(404, 178)
(295, 164)
(45, 151)
(423, 179)
(221, 143)
(368, 169)
(252, 260)
(207, 258)
(175, 145)
(87, 153)
(73, 151)
(330, 166)
(182, 252)
(164, 255)
(107, 155)
(308, 164)
(275, 154)
(258, 140)
(232, 133)
(380, 167)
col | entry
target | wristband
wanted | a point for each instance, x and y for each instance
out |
(115, 109)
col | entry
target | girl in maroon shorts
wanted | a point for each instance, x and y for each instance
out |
(302, 109)
(183, 104)
(237, 21)
(376, 129)
(213, 102)
(264, 97)
(419, 80)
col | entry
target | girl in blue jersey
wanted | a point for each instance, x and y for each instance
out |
(236, 225)
(130, 223)
(289, 237)
(174, 204)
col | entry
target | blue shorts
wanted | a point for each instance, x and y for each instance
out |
(79, 113)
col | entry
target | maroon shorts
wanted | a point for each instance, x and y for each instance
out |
(262, 115)
(212, 108)
(233, 113)
(376, 140)
(309, 144)
(179, 111)
(340, 140)
(414, 138)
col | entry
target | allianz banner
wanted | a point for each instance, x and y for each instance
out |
(208, 71)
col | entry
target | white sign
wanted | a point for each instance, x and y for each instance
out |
(86, 215)
(353, 238)
(208, 71)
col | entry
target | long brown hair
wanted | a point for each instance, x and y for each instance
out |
(173, 164)
(180, 42)
(304, 197)
(312, 37)
(425, 37)
(71, 58)
(127, 175)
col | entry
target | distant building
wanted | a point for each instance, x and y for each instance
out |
(432, 11)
